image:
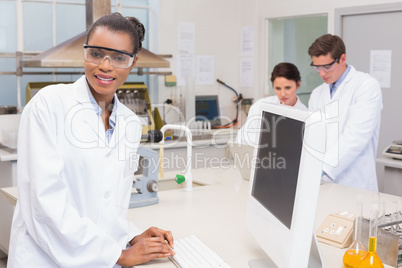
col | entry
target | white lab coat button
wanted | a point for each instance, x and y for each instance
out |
(107, 195)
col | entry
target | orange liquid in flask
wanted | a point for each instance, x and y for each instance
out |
(353, 259)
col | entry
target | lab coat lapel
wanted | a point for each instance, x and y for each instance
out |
(90, 116)
(93, 120)
(344, 83)
(127, 131)
(119, 130)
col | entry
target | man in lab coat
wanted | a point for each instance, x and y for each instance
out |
(352, 104)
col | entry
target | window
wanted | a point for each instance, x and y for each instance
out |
(51, 23)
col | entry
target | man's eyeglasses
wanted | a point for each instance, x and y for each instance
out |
(117, 58)
(326, 68)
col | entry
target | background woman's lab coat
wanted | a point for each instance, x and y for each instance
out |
(248, 133)
(353, 118)
(73, 186)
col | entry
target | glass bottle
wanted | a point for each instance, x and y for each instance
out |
(356, 251)
(372, 259)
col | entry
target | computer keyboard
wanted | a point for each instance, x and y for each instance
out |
(191, 252)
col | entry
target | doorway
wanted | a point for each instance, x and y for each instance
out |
(288, 41)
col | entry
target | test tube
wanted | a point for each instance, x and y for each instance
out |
(396, 217)
(384, 217)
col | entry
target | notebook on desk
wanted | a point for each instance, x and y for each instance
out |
(242, 155)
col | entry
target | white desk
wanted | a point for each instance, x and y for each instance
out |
(215, 213)
(392, 182)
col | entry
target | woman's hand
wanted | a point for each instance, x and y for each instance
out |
(154, 232)
(152, 244)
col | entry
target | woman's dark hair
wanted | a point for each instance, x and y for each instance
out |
(117, 23)
(287, 70)
(325, 44)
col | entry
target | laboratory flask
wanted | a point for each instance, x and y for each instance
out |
(355, 253)
(372, 259)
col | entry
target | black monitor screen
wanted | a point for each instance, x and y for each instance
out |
(206, 108)
(277, 165)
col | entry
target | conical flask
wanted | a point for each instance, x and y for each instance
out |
(356, 251)
(371, 259)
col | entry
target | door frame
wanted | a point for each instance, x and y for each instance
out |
(361, 10)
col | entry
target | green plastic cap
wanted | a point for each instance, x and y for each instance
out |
(180, 178)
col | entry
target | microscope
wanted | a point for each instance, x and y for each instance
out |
(146, 186)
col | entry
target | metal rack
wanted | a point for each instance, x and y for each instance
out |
(389, 240)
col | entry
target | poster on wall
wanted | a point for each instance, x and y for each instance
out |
(205, 70)
(186, 37)
(246, 72)
(185, 68)
(247, 41)
(380, 66)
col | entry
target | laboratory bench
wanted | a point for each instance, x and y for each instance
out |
(392, 182)
(205, 148)
(8, 178)
(214, 212)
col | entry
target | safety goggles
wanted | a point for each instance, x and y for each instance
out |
(117, 58)
(326, 68)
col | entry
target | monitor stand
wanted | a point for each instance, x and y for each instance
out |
(314, 261)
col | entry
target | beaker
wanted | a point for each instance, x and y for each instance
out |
(372, 259)
(356, 251)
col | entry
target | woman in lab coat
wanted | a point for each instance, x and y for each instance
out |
(76, 159)
(285, 78)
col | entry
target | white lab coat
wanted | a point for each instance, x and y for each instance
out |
(248, 133)
(73, 187)
(353, 121)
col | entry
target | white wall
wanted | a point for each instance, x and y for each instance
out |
(217, 33)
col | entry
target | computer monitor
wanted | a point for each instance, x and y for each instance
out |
(284, 186)
(207, 109)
